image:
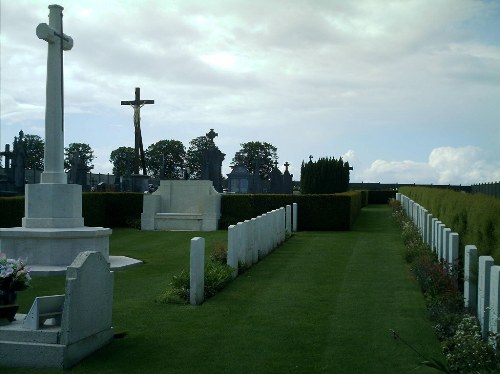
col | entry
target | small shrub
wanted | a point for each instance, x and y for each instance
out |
(466, 352)
(219, 253)
(217, 276)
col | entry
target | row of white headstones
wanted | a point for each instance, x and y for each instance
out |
(247, 243)
(481, 290)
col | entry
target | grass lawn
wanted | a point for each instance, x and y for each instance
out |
(322, 302)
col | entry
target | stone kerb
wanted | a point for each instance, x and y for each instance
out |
(197, 271)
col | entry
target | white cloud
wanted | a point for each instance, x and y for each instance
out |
(446, 165)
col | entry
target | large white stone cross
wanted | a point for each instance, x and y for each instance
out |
(54, 107)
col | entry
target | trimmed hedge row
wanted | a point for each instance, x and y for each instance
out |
(316, 212)
(98, 209)
(111, 209)
(11, 211)
(475, 217)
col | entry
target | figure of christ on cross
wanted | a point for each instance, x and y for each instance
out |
(137, 104)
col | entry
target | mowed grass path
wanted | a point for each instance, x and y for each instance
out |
(324, 302)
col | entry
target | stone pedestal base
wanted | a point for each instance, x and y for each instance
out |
(53, 206)
(53, 246)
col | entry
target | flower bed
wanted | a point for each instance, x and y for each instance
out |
(440, 282)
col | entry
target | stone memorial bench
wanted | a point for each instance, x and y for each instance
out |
(61, 330)
(182, 205)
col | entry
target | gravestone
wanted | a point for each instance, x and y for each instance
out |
(197, 271)
(239, 180)
(85, 320)
(212, 162)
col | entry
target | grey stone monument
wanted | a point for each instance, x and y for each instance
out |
(53, 231)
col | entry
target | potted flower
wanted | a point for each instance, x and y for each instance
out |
(14, 276)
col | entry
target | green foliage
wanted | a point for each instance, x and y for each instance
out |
(165, 159)
(315, 212)
(195, 155)
(475, 217)
(380, 196)
(325, 176)
(219, 253)
(111, 209)
(217, 275)
(34, 152)
(462, 345)
(15, 208)
(84, 152)
(122, 159)
(262, 152)
(466, 352)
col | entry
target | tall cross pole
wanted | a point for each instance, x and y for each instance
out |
(137, 104)
(54, 107)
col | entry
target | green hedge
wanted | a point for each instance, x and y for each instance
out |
(475, 217)
(11, 211)
(380, 196)
(316, 212)
(106, 209)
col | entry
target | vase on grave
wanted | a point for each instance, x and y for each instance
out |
(8, 306)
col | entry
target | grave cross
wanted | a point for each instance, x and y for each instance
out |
(286, 165)
(54, 107)
(137, 104)
(310, 158)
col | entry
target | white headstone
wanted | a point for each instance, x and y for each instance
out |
(483, 301)
(470, 277)
(197, 271)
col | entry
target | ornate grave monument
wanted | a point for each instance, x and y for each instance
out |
(53, 231)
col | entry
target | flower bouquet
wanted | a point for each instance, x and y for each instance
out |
(14, 274)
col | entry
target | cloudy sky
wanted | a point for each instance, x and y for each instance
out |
(406, 91)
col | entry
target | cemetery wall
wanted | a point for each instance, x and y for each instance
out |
(317, 212)
(476, 217)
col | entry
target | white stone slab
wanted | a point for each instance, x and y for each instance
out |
(197, 271)
(470, 277)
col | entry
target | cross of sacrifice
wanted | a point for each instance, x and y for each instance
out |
(137, 104)
(54, 107)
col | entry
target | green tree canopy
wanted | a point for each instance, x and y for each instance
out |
(263, 153)
(167, 155)
(122, 159)
(84, 152)
(325, 176)
(34, 151)
(195, 153)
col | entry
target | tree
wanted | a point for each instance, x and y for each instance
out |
(251, 153)
(195, 153)
(84, 152)
(325, 176)
(34, 152)
(122, 159)
(167, 155)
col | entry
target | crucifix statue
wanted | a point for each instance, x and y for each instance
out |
(54, 107)
(137, 104)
